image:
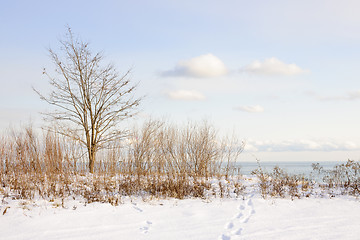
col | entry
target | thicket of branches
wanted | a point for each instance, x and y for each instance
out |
(159, 160)
(343, 179)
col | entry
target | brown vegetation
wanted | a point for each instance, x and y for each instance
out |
(159, 160)
(279, 183)
(343, 179)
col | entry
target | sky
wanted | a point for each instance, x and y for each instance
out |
(280, 75)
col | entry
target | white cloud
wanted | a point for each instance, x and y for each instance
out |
(273, 66)
(350, 96)
(353, 95)
(250, 109)
(202, 66)
(188, 95)
(299, 145)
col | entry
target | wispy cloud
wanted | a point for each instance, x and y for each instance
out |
(273, 66)
(187, 95)
(299, 145)
(250, 109)
(349, 96)
(202, 66)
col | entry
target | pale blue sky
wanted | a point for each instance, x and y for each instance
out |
(282, 74)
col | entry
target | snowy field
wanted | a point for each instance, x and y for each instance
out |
(248, 218)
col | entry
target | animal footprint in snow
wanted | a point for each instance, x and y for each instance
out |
(246, 219)
(240, 215)
(137, 208)
(238, 232)
(250, 204)
(145, 229)
(230, 225)
(225, 237)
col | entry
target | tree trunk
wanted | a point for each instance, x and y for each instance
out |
(92, 155)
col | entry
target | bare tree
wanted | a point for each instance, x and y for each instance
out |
(91, 98)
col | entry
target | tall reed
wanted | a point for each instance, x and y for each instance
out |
(158, 159)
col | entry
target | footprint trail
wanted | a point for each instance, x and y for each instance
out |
(234, 227)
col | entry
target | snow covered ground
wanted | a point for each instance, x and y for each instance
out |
(249, 218)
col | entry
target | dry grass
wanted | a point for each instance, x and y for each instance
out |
(343, 179)
(159, 160)
(279, 183)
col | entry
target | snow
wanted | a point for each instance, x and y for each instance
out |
(248, 217)
(304, 219)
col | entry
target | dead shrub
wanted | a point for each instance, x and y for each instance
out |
(158, 160)
(279, 183)
(342, 179)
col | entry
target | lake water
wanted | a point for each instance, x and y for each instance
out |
(291, 167)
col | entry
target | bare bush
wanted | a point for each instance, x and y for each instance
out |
(342, 179)
(159, 160)
(279, 183)
(194, 150)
